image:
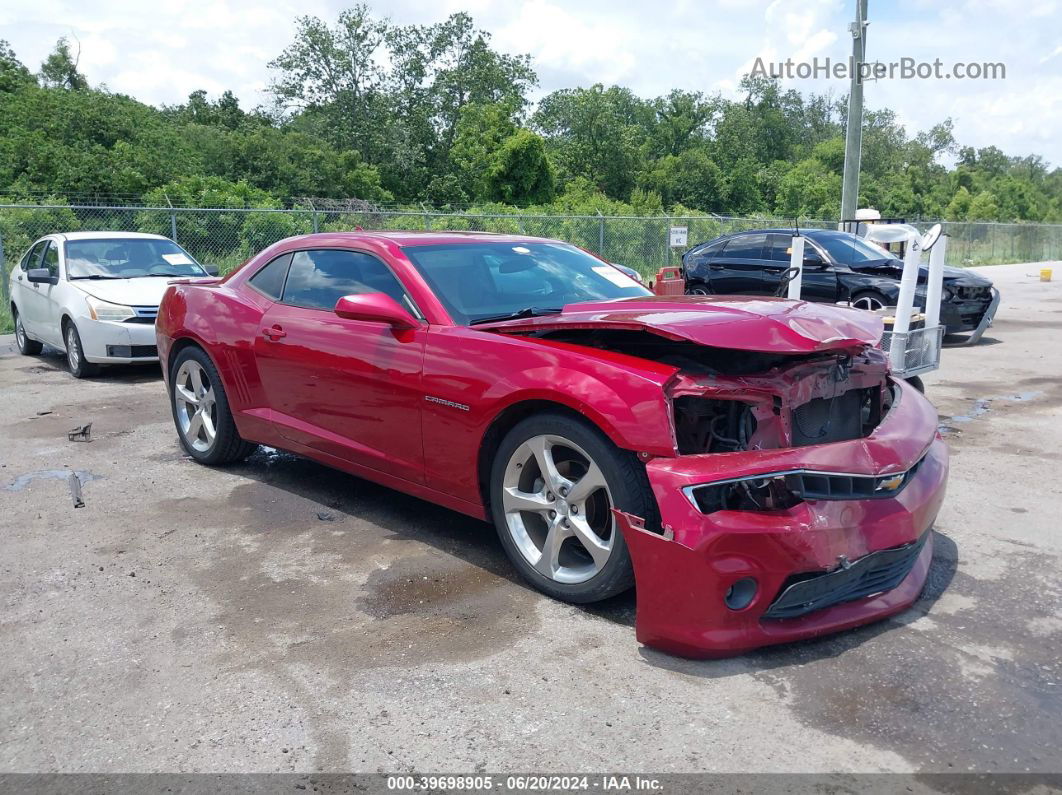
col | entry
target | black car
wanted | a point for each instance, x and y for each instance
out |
(838, 267)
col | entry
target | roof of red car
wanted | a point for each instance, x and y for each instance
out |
(411, 238)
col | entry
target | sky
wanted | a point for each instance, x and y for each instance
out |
(159, 53)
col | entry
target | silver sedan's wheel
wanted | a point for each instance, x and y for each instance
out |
(20, 332)
(870, 302)
(73, 349)
(195, 406)
(558, 509)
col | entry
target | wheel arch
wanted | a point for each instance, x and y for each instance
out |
(507, 419)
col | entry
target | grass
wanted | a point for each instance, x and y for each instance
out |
(7, 326)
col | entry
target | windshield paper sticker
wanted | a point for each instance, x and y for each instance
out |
(177, 259)
(617, 277)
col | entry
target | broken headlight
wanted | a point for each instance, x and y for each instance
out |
(774, 492)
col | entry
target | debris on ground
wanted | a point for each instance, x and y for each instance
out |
(75, 490)
(82, 433)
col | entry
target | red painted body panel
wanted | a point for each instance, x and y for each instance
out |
(411, 409)
(747, 323)
(682, 580)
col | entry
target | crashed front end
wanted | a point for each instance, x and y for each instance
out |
(804, 480)
(768, 545)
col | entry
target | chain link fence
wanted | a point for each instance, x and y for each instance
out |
(228, 236)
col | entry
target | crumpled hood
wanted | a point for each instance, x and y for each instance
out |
(145, 291)
(752, 323)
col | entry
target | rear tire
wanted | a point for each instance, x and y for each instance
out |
(26, 346)
(870, 300)
(75, 354)
(557, 528)
(201, 411)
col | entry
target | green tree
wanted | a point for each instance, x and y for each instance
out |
(983, 207)
(13, 74)
(59, 69)
(595, 133)
(521, 174)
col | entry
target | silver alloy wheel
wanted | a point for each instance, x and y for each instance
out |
(73, 350)
(698, 291)
(193, 397)
(868, 302)
(20, 333)
(558, 509)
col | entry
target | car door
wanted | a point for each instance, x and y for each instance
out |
(37, 296)
(738, 269)
(819, 280)
(348, 388)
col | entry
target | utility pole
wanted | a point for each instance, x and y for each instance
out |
(853, 142)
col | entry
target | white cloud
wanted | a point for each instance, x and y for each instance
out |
(160, 53)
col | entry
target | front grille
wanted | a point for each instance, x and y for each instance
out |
(132, 351)
(872, 574)
(144, 314)
(831, 486)
(974, 293)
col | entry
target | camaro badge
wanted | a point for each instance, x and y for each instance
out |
(450, 403)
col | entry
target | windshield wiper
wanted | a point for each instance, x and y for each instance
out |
(530, 311)
(98, 276)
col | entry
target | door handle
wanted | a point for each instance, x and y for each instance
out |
(274, 333)
(715, 266)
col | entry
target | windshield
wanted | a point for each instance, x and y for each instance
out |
(847, 249)
(477, 281)
(128, 258)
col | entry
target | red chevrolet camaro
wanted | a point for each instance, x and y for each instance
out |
(747, 462)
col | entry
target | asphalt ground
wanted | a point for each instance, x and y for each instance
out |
(279, 616)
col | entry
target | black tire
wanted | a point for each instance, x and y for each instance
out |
(75, 353)
(870, 297)
(626, 481)
(227, 446)
(698, 288)
(917, 383)
(26, 346)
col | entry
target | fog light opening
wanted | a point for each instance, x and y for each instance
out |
(740, 594)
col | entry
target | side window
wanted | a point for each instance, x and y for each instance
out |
(780, 248)
(51, 260)
(706, 253)
(33, 257)
(270, 280)
(746, 247)
(317, 279)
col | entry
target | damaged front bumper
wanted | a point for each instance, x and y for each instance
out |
(687, 573)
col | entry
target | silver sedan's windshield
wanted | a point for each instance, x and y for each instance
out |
(128, 258)
(483, 281)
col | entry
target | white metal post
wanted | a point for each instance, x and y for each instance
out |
(796, 260)
(902, 324)
(936, 281)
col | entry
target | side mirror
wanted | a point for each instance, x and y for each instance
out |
(375, 308)
(39, 276)
(212, 270)
(814, 262)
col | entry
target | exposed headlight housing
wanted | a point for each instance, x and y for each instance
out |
(104, 310)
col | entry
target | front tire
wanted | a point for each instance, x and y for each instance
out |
(201, 411)
(554, 483)
(79, 366)
(698, 288)
(26, 346)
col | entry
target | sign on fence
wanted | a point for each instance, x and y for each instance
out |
(679, 236)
